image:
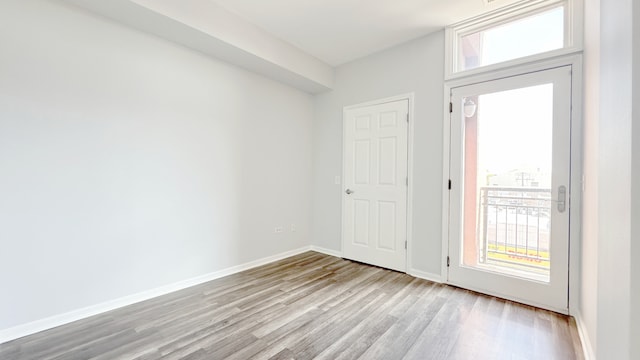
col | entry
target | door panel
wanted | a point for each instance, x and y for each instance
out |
(361, 215)
(387, 225)
(375, 190)
(362, 161)
(510, 161)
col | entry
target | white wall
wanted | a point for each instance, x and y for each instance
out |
(128, 162)
(417, 66)
(589, 283)
(611, 251)
(207, 27)
(614, 186)
(635, 190)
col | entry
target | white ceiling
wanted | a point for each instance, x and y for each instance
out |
(339, 31)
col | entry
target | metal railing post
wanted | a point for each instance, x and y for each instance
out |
(484, 200)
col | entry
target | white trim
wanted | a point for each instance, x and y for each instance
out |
(505, 14)
(425, 275)
(74, 315)
(406, 96)
(587, 347)
(410, 97)
(344, 171)
(326, 251)
(517, 69)
(575, 201)
(413, 272)
(536, 58)
(446, 173)
(575, 19)
(409, 262)
(498, 294)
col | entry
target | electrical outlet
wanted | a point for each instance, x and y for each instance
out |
(278, 229)
(293, 227)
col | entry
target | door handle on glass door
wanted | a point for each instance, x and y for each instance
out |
(349, 191)
(562, 198)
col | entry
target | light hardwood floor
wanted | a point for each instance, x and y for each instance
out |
(312, 306)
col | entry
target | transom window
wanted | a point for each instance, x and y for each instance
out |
(522, 30)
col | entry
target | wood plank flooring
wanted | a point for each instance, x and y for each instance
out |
(312, 306)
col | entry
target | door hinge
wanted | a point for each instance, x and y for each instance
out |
(407, 117)
(449, 184)
(407, 181)
(405, 245)
(450, 107)
(448, 261)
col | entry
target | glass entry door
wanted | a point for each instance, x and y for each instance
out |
(509, 199)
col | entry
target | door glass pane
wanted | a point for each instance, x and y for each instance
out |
(507, 181)
(531, 35)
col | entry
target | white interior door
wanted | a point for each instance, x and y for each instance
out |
(374, 215)
(509, 197)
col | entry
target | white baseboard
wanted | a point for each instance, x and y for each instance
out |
(326, 251)
(587, 347)
(413, 272)
(425, 275)
(62, 319)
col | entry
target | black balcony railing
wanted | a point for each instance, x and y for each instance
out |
(515, 226)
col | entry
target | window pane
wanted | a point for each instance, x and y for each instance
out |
(528, 36)
(507, 182)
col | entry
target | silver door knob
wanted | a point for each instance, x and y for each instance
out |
(349, 191)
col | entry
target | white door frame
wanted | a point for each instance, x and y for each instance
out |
(575, 199)
(410, 98)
